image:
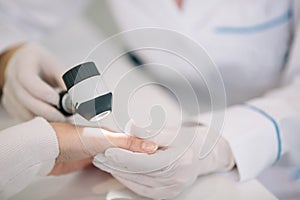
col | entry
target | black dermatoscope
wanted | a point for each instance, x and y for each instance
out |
(83, 95)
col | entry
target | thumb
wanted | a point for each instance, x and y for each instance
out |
(52, 69)
(57, 79)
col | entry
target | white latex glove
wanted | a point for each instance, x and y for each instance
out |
(169, 181)
(31, 76)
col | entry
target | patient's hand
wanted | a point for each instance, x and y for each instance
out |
(77, 145)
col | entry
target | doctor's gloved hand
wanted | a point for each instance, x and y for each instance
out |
(77, 145)
(158, 175)
(30, 78)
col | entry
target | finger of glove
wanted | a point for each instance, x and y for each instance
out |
(140, 189)
(162, 173)
(51, 65)
(99, 162)
(129, 176)
(164, 192)
(183, 162)
(128, 161)
(38, 107)
(14, 108)
(38, 61)
(145, 179)
(120, 164)
(39, 89)
(55, 79)
(165, 137)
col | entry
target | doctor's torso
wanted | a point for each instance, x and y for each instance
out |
(248, 40)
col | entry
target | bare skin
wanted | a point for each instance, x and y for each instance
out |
(77, 146)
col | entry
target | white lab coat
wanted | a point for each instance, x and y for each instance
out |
(253, 49)
(251, 135)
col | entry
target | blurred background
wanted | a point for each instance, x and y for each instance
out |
(79, 35)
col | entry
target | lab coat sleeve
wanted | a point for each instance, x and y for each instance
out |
(256, 129)
(27, 150)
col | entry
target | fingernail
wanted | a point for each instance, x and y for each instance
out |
(149, 147)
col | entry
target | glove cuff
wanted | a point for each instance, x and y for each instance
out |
(224, 156)
(220, 159)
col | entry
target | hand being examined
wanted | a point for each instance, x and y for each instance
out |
(77, 145)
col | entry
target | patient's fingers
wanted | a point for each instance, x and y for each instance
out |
(131, 143)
